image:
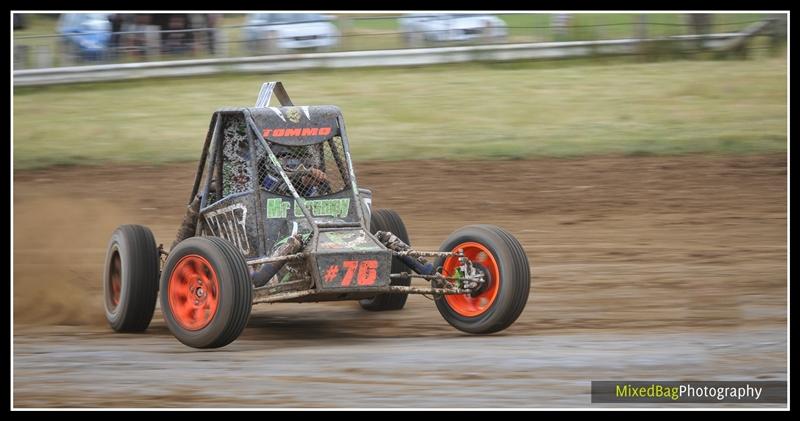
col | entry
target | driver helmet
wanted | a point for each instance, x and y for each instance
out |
(289, 161)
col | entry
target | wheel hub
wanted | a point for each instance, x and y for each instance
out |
(114, 287)
(193, 292)
(487, 279)
(477, 261)
(197, 290)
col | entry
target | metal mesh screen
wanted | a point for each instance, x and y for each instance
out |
(236, 173)
(314, 170)
(231, 172)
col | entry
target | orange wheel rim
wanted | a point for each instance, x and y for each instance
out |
(193, 292)
(468, 305)
(115, 280)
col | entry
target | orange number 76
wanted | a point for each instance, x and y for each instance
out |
(367, 272)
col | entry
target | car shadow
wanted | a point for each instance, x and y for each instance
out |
(326, 325)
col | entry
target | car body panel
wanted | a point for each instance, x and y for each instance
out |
(290, 31)
(453, 27)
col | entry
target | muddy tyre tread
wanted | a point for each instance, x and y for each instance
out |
(236, 292)
(515, 280)
(139, 259)
(389, 220)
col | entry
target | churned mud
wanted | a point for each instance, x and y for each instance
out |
(663, 268)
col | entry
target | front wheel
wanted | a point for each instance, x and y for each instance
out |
(206, 292)
(500, 301)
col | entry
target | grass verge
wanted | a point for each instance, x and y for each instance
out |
(502, 110)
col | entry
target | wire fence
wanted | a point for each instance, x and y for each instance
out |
(141, 39)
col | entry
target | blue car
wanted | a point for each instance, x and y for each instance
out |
(85, 36)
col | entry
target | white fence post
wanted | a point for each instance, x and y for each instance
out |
(21, 56)
(221, 40)
(44, 56)
(152, 41)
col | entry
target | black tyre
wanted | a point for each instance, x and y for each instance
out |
(130, 279)
(389, 220)
(206, 292)
(501, 300)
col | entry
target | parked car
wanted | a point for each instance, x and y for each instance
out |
(427, 27)
(271, 32)
(84, 36)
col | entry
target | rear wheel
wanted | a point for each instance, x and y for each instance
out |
(389, 220)
(500, 301)
(206, 292)
(130, 279)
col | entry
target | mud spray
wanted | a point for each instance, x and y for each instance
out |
(59, 249)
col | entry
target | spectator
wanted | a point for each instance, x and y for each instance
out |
(116, 20)
(136, 40)
(177, 42)
(213, 20)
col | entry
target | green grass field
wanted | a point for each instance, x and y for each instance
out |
(509, 110)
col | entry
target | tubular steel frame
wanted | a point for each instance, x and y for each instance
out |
(213, 147)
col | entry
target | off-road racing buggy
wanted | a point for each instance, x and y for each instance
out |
(275, 215)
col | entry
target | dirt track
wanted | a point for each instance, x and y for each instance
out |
(643, 268)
